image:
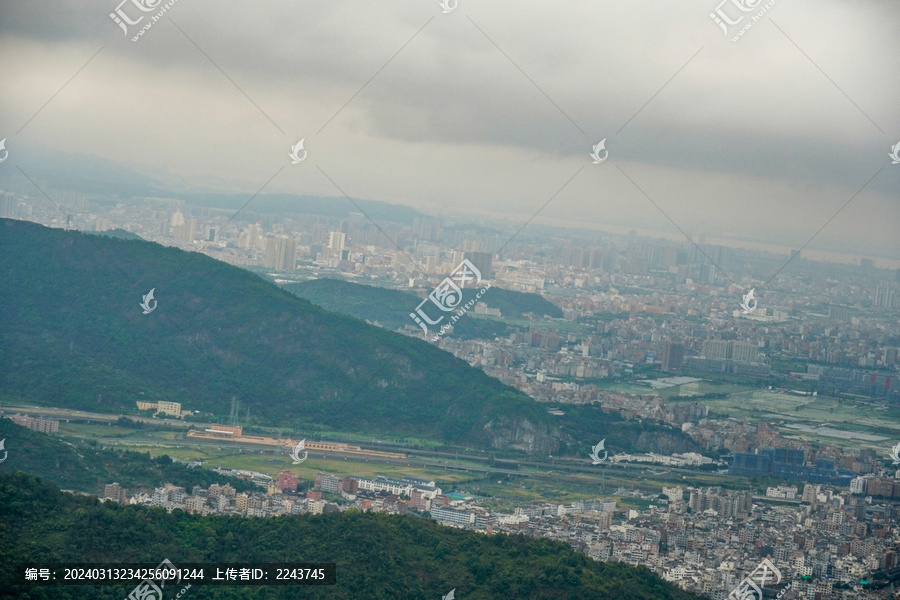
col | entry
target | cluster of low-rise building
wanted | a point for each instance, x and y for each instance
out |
(708, 539)
(825, 541)
(36, 423)
(328, 493)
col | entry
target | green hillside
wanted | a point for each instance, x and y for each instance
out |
(72, 334)
(118, 233)
(391, 308)
(377, 556)
(85, 467)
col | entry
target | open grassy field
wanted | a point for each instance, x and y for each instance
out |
(273, 465)
(505, 492)
(530, 484)
(697, 388)
(838, 421)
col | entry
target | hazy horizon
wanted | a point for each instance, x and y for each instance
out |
(488, 110)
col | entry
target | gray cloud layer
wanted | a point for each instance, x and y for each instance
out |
(767, 137)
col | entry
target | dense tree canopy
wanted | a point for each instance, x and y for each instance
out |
(85, 467)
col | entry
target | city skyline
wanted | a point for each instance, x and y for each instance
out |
(622, 278)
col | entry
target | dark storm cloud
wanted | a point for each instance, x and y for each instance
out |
(486, 105)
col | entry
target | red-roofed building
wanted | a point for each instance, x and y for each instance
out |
(287, 481)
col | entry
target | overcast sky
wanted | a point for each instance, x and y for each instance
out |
(490, 109)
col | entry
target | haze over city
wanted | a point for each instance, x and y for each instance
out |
(450, 299)
(490, 110)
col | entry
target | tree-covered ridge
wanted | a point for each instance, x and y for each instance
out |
(73, 335)
(622, 435)
(118, 233)
(391, 308)
(86, 467)
(378, 556)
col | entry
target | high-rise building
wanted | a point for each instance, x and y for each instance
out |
(190, 230)
(181, 228)
(176, 219)
(348, 485)
(594, 258)
(716, 349)
(114, 492)
(169, 408)
(315, 507)
(571, 256)
(890, 355)
(885, 295)
(281, 253)
(287, 481)
(426, 229)
(673, 357)
(483, 261)
(337, 240)
(36, 423)
(327, 483)
(7, 205)
(709, 274)
(252, 238)
(745, 352)
(810, 494)
(839, 313)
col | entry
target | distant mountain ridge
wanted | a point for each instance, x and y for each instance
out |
(332, 206)
(91, 174)
(391, 308)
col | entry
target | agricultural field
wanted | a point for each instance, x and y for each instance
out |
(845, 423)
(697, 388)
